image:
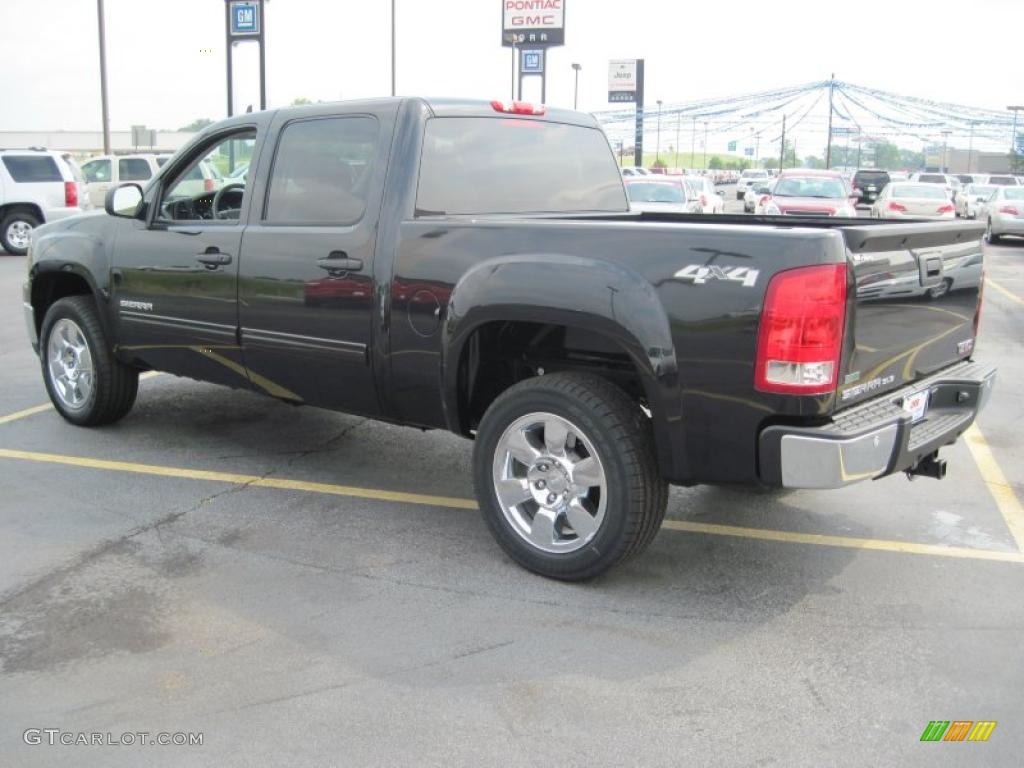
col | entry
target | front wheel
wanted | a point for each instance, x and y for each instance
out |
(990, 237)
(566, 475)
(16, 232)
(86, 383)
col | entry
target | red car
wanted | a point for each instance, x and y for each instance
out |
(810, 193)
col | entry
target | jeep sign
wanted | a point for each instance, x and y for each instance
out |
(622, 80)
(533, 22)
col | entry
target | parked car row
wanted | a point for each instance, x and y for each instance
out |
(673, 194)
(716, 176)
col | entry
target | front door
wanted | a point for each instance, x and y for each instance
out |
(175, 276)
(306, 292)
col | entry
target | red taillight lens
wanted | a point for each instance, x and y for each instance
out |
(894, 206)
(981, 297)
(517, 108)
(703, 201)
(70, 194)
(208, 185)
(946, 209)
(800, 339)
(1009, 209)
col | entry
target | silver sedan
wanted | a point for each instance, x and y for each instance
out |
(1003, 212)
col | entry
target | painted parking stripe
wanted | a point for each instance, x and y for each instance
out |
(1005, 291)
(761, 534)
(49, 406)
(997, 484)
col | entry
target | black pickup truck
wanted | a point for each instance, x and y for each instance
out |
(475, 267)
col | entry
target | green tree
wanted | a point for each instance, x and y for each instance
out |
(715, 164)
(301, 102)
(814, 162)
(887, 155)
(197, 125)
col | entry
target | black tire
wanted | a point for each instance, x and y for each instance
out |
(115, 384)
(990, 238)
(623, 439)
(940, 290)
(10, 220)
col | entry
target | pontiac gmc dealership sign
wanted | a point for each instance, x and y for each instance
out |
(533, 22)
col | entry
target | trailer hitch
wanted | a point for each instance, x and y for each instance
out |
(930, 466)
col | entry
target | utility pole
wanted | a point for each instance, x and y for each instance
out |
(945, 161)
(576, 86)
(782, 149)
(705, 145)
(679, 118)
(104, 108)
(757, 150)
(657, 146)
(831, 92)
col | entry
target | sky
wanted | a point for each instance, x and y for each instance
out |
(166, 58)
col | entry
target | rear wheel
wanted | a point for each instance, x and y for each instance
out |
(86, 383)
(16, 232)
(566, 475)
(990, 237)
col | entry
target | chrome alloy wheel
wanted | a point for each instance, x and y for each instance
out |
(550, 483)
(19, 233)
(70, 364)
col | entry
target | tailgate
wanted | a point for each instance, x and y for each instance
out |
(918, 287)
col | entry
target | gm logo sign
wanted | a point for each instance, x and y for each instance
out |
(245, 17)
(958, 730)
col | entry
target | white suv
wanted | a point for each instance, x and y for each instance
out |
(749, 177)
(36, 186)
(106, 171)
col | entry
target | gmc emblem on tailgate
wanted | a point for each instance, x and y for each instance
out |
(699, 274)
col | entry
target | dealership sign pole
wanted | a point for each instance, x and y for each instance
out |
(533, 26)
(244, 23)
(626, 84)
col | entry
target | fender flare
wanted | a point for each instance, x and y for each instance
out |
(606, 298)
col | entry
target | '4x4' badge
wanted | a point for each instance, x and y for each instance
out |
(699, 274)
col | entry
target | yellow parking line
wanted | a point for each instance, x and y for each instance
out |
(452, 502)
(25, 413)
(47, 406)
(1005, 291)
(1007, 501)
(240, 479)
(850, 542)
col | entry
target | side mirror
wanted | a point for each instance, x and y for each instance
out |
(124, 200)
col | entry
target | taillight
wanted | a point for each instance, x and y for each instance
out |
(517, 108)
(894, 206)
(70, 194)
(703, 201)
(763, 200)
(946, 209)
(800, 339)
(208, 185)
(1009, 209)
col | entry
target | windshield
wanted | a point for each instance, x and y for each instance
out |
(754, 175)
(653, 192)
(809, 187)
(871, 178)
(1014, 194)
(980, 189)
(919, 192)
(932, 178)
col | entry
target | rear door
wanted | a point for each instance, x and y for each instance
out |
(306, 287)
(175, 275)
(918, 287)
(98, 178)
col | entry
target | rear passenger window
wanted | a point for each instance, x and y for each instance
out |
(322, 170)
(133, 169)
(97, 171)
(32, 168)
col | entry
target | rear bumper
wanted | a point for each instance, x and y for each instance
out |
(1007, 225)
(876, 438)
(30, 316)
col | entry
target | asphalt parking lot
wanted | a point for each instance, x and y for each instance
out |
(303, 587)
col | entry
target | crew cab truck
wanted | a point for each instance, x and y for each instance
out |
(475, 267)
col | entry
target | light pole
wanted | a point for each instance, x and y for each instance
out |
(678, 120)
(945, 141)
(693, 141)
(970, 149)
(1013, 136)
(576, 86)
(105, 112)
(657, 146)
(392, 47)
(705, 145)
